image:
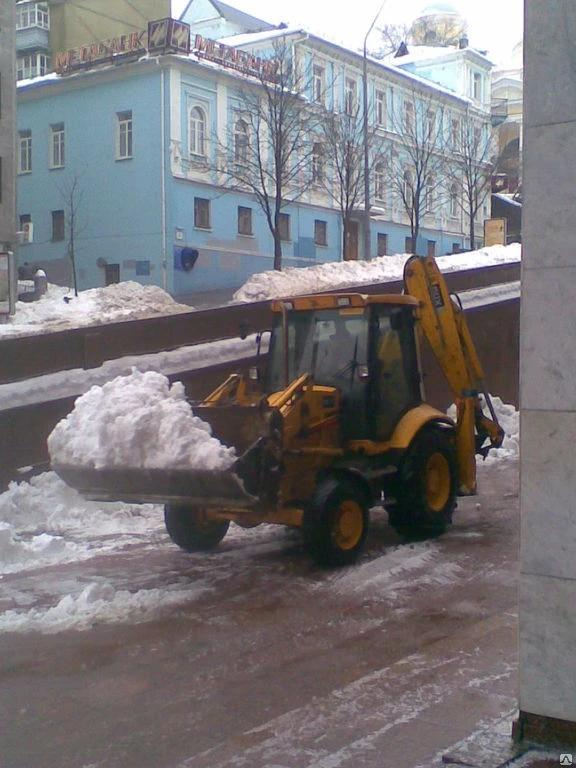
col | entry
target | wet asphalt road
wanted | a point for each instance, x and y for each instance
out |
(275, 662)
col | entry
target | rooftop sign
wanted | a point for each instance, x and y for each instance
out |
(163, 36)
(233, 58)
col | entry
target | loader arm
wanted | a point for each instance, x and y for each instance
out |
(442, 322)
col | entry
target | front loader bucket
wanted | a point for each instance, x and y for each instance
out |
(136, 485)
(254, 431)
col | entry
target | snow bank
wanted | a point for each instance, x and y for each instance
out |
(137, 421)
(302, 280)
(60, 309)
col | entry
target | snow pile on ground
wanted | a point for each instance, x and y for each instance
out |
(302, 280)
(136, 421)
(60, 309)
(509, 419)
(45, 521)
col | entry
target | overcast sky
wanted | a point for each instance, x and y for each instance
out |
(493, 25)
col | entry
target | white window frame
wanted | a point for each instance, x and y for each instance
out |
(197, 123)
(454, 201)
(318, 83)
(408, 185)
(318, 163)
(25, 151)
(409, 117)
(430, 196)
(32, 65)
(476, 86)
(456, 134)
(245, 226)
(124, 135)
(350, 95)
(57, 146)
(241, 142)
(380, 180)
(36, 15)
(381, 111)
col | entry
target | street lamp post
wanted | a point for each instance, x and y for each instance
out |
(367, 248)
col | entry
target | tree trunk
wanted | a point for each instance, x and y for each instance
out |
(277, 251)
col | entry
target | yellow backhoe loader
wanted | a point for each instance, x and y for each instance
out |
(335, 423)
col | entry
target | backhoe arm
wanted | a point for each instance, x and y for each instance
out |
(442, 321)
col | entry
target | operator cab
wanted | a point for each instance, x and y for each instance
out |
(366, 349)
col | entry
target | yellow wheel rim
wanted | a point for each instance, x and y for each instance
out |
(348, 525)
(437, 482)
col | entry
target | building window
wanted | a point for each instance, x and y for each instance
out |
(408, 245)
(477, 86)
(455, 134)
(350, 96)
(201, 213)
(57, 145)
(25, 151)
(244, 220)
(320, 232)
(454, 200)
(409, 118)
(381, 108)
(124, 135)
(318, 170)
(111, 274)
(382, 244)
(318, 83)
(284, 226)
(408, 188)
(431, 248)
(26, 228)
(430, 195)
(33, 65)
(36, 15)
(197, 132)
(430, 125)
(57, 226)
(379, 181)
(241, 143)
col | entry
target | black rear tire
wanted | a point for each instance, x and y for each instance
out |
(336, 523)
(192, 530)
(423, 493)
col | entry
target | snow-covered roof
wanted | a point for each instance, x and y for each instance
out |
(423, 53)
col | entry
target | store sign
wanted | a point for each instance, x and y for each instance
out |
(163, 36)
(233, 58)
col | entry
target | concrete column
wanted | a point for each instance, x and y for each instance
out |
(547, 695)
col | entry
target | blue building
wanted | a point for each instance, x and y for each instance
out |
(119, 152)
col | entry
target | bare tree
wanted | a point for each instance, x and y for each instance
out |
(268, 150)
(344, 138)
(391, 38)
(415, 164)
(72, 194)
(469, 176)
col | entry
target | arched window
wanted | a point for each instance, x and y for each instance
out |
(379, 181)
(318, 170)
(241, 142)
(454, 207)
(197, 132)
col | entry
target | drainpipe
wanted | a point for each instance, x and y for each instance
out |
(163, 176)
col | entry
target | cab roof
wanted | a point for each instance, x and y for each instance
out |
(341, 301)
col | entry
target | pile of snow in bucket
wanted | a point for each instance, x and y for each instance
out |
(138, 420)
(509, 419)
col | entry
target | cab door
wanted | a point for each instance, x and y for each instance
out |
(395, 377)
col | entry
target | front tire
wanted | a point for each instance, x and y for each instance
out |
(336, 523)
(424, 490)
(192, 530)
